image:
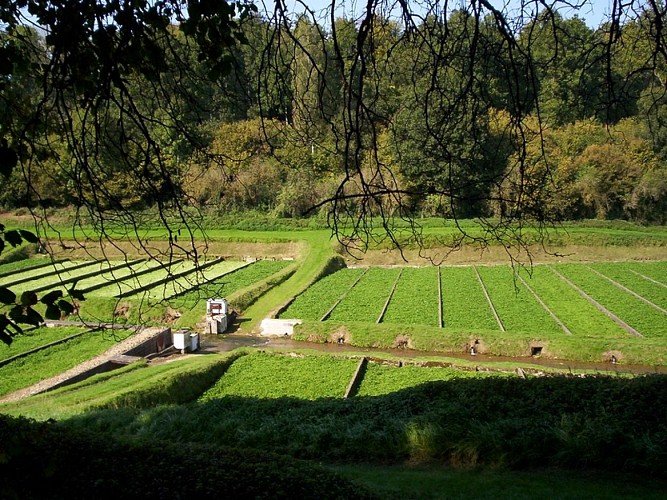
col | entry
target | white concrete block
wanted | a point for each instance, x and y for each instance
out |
(278, 327)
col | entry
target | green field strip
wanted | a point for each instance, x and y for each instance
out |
(233, 281)
(650, 289)
(463, 302)
(485, 291)
(326, 315)
(207, 280)
(544, 306)
(59, 268)
(28, 265)
(34, 339)
(656, 270)
(391, 294)
(56, 359)
(380, 380)
(317, 299)
(415, 300)
(516, 305)
(63, 278)
(629, 291)
(584, 293)
(188, 279)
(171, 278)
(76, 278)
(578, 313)
(134, 272)
(656, 282)
(270, 376)
(365, 301)
(143, 278)
(646, 320)
(41, 347)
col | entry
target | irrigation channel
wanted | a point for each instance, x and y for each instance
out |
(229, 342)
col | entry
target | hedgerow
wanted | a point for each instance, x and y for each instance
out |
(43, 460)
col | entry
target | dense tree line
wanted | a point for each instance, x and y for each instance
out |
(449, 113)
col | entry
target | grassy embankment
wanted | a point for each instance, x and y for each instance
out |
(652, 352)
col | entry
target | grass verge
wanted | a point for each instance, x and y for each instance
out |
(644, 351)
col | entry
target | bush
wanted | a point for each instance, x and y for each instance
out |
(47, 460)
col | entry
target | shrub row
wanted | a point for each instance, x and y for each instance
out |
(42, 460)
(593, 423)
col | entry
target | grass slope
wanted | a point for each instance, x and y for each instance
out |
(41, 365)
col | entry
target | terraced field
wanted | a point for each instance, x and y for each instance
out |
(366, 300)
(415, 300)
(323, 295)
(638, 317)
(269, 376)
(463, 301)
(601, 300)
(232, 281)
(579, 315)
(517, 308)
(54, 358)
(104, 283)
(382, 379)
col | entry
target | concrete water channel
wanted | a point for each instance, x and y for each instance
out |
(229, 342)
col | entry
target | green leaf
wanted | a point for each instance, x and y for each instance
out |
(28, 298)
(4, 336)
(32, 317)
(8, 159)
(16, 314)
(13, 238)
(51, 297)
(28, 236)
(66, 307)
(76, 294)
(7, 296)
(52, 312)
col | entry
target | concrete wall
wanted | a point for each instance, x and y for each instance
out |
(158, 343)
(278, 327)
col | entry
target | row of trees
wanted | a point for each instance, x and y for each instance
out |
(453, 113)
(451, 120)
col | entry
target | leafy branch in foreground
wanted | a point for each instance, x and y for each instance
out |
(21, 309)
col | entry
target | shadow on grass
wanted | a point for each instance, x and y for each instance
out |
(592, 424)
